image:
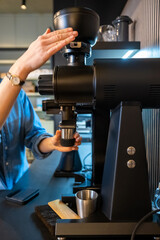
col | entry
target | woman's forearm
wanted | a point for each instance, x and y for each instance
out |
(36, 55)
(46, 146)
(9, 92)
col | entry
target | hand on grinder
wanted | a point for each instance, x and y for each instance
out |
(53, 143)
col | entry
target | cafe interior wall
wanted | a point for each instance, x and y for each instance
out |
(146, 29)
(20, 29)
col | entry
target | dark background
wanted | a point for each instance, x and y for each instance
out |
(108, 10)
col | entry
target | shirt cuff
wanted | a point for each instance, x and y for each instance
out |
(35, 150)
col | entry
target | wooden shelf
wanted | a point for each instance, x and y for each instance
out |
(36, 94)
(13, 48)
(7, 61)
(33, 94)
(11, 61)
(38, 109)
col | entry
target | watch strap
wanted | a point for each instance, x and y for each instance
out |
(10, 77)
(21, 83)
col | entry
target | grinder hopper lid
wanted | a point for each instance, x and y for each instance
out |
(83, 20)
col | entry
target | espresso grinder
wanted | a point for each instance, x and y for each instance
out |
(114, 91)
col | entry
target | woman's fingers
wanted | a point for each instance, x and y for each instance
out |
(78, 141)
(57, 32)
(55, 47)
(63, 31)
(52, 44)
(59, 37)
(47, 31)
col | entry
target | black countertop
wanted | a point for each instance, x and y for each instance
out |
(19, 222)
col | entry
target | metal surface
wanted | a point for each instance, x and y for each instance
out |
(131, 163)
(86, 201)
(101, 229)
(131, 150)
(67, 133)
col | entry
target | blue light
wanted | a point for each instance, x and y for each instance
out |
(151, 52)
(127, 54)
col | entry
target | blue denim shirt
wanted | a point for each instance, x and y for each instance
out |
(22, 128)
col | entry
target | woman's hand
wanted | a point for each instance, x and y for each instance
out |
(41, 50)
(53, 143)
(37, 54)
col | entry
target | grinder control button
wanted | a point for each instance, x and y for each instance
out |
(131, 150)
(131, 163)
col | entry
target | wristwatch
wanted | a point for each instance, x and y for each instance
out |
(15, 80)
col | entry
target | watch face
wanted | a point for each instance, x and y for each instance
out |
(16, 80)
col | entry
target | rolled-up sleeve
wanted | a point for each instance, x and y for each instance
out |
(35, 148)
(33, 130)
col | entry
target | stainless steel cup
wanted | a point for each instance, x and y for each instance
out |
(86, 201)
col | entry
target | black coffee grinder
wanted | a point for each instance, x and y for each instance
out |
(76, 54)
(114, 91)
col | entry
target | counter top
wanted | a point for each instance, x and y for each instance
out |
(19, 222)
